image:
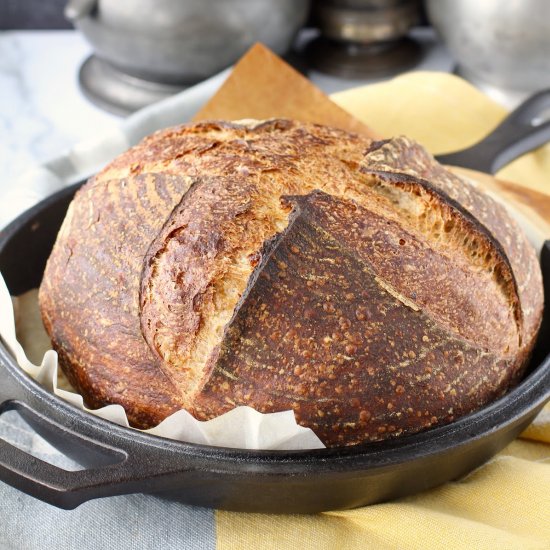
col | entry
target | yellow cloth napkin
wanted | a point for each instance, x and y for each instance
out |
(504, 504)
(445, 114)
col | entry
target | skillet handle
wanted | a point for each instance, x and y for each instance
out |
(44, 481)
(543, 345)
(52, 484)
(520, 132)
(107, 471)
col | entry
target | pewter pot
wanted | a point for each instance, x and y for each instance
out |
(183, 41)
(500, 46)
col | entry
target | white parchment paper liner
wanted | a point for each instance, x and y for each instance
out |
(243, 427)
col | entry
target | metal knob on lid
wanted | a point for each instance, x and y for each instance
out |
(364, 38)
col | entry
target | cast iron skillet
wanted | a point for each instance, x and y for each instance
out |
(119, 460)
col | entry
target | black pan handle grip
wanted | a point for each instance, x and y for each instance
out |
(109, 471)
(62, 488)
(521, 131)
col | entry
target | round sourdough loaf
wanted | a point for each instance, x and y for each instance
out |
(284, 265)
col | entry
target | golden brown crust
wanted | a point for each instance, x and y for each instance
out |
(89, 294)
(308, 335)
(167, 289)
(403, 155)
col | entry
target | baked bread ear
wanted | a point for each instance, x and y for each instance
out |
(289, 265)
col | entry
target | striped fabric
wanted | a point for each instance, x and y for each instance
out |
(505, 504)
